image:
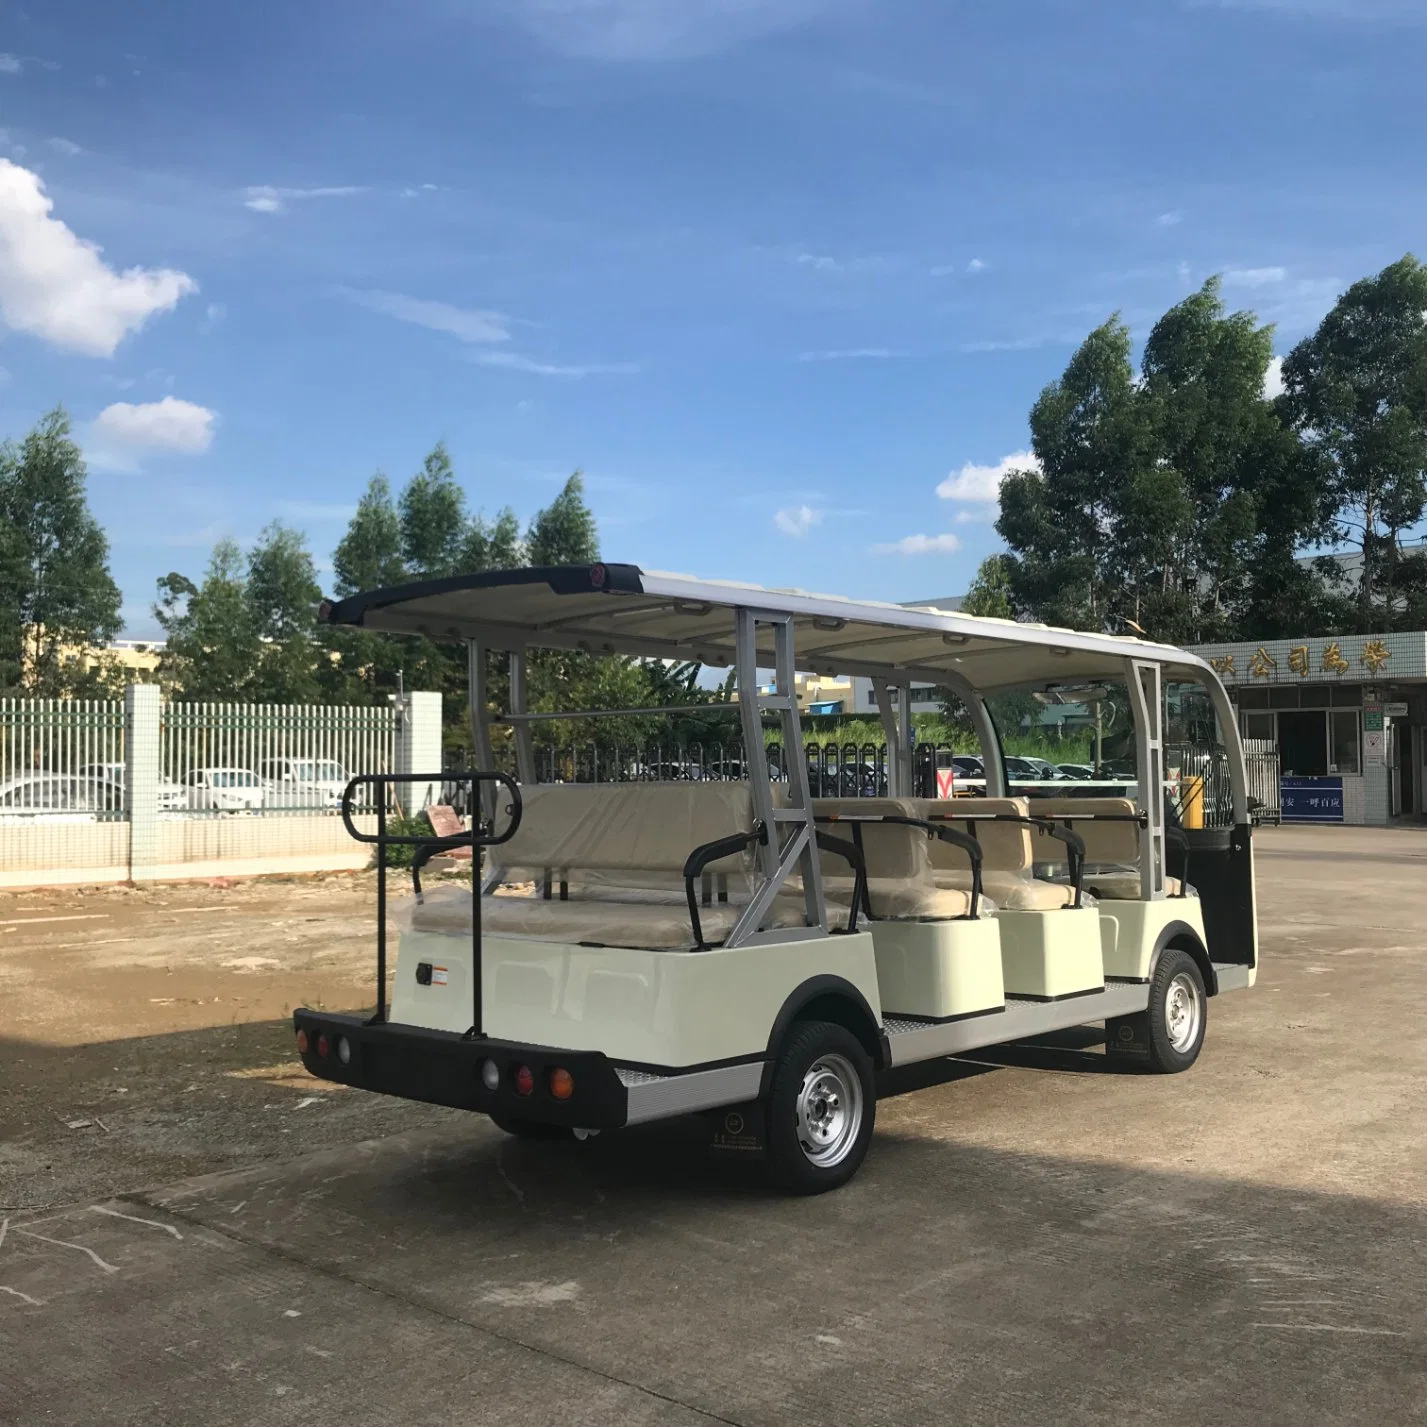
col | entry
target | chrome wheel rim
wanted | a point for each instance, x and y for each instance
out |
(829, 1110)
(1183, 1012)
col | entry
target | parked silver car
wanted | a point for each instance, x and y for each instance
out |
(224, 790)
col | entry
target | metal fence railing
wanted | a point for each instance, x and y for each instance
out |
(270, 758)
(61, 756)
(67, 758)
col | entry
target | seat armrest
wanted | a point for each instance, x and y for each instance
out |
(700, 858)
(1074, 853)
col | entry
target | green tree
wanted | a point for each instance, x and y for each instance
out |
(564, 532)
(1357, 391)
(57, 596)
(363, 666)
(212, 649)
(1063, 523)
(433, 518)
(368, 556)
(281, 593)
(990, 592)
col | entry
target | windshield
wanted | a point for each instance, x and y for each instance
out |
(1088, 725)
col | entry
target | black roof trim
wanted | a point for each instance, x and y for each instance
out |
(562, 579)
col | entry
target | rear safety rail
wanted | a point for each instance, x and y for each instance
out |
(480, 834)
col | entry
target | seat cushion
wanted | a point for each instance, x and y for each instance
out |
(1124, 886)
(1014, 893)
(894, 900)
(650, 925)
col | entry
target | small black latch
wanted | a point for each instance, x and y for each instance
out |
(423, 973)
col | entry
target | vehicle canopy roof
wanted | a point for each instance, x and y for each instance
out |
(621, 609)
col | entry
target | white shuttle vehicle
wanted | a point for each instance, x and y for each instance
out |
(638, 951)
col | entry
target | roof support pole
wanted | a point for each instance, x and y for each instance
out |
(524, 744)
(897, 730)
(986, 734)
(482, 756)
(1147, 704)
(777, 857)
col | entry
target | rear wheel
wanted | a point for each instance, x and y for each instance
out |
(821, 1109)
(530, 1129)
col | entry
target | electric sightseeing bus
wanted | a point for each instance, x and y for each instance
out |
(634, 951)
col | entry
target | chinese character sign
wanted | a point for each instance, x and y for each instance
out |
(1223, 666)
(1298, 659)
(1263, 664)
(1375, 655)
(1333, 661)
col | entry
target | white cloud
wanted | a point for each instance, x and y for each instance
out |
(1254, 277)
(644, 30)
(982, 484)
(263, 198)
(818, 262)
(1273, 379)
(847, 354)
(1170, 220)
(64, 146)
(55, 285)
(947, 544)
(168, 425)
(213, 316)
(797, 520)
(514, 362)
(470, 325)
(10, 64)
(976, 265)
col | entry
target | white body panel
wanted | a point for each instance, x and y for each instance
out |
(1047, 955)
(938, 970)
(663, 1008)
(1130, 930)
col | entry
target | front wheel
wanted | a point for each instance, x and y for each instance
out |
(1178, 1012)
(821, 1109)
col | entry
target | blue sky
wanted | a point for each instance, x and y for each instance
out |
(782, 276)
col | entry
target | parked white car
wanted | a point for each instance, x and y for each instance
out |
(224, 790)
(58, 797)
(172, 796)
(304, 782)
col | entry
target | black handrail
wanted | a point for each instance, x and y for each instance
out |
(1074, 843)
(479, 835)
(700, 858)
(851, 853)
(969, 845)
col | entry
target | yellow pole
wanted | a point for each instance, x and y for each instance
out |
(1193, 789)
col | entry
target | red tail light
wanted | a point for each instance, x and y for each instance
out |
(524, 1080)
(324, 1047)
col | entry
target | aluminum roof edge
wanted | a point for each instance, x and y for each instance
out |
(616, 579)
(562, 579)
(798, 602)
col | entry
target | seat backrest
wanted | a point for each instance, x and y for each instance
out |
(893, 851)
(623, 828)
(1005, 846)
(1110, 843)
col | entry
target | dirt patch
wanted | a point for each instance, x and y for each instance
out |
(145, 1033)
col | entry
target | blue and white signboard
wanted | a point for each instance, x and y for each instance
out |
(1312, 800)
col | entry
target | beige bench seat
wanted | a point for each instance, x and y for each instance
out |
(602, 921)
(1112, 845)
(1007, 851)
(901, 883)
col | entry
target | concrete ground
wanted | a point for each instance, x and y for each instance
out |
(1032, 1240)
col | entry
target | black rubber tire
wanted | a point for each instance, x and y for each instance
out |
(1163, 1057)
(788, 1167)
(531, 1129)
